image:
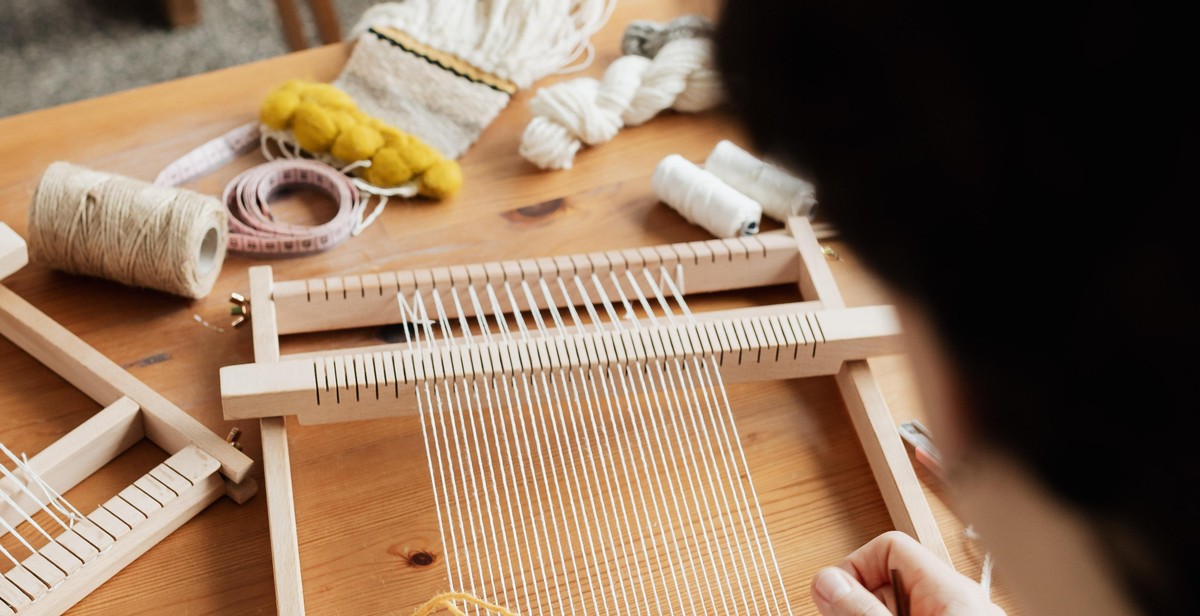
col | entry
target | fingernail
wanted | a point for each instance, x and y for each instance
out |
(832, 584)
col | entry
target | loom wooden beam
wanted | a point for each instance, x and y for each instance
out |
(200, 467)
(105, 382)
(13, 253)
(322, 304)
(868, 409)
(75, 456)
(277, 466)
(703, 317)
(745, 344)
(93, 550)
(363, 386)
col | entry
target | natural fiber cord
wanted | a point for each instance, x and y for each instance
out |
(446, 600)
(118, 228)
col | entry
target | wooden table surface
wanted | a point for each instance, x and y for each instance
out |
(362, 492)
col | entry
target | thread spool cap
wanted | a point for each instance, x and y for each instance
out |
(207, 259)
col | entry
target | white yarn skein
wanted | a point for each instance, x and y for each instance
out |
(681, 77)
(704, 200)
(781, 194)
(634, 90)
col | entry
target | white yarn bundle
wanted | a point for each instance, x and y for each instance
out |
(704, 200)
(681, 76)
(519, 40)
(781, 194)
(729, 196)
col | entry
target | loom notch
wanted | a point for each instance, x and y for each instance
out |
(381, 382)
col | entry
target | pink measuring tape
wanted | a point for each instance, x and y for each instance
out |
(252, 228)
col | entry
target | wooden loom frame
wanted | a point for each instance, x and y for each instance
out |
(200, 466)
(274, 386)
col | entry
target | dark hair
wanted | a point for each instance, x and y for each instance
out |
(1024, 173)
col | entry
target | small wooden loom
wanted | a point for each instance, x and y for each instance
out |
(820, 336)
(93, 548)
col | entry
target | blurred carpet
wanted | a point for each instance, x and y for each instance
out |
(59, 51)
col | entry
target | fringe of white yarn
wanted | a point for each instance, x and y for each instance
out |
(635, 89)
(519, 40)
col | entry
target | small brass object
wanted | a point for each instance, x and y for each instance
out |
(240, 309)
(234, 436)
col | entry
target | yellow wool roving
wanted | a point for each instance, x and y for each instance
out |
(324, 120)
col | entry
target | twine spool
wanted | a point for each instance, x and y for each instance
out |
(780, 194)
(704, 200)
(109, 226)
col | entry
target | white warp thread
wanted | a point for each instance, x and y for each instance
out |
(704, 200)
(781, 194)
(518, 40)
(634, 90)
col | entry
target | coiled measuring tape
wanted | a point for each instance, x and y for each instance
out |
(252, 227)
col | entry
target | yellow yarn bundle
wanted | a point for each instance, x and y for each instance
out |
(325, 120)
(446, 600)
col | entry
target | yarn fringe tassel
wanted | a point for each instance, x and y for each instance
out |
(519, 40)
(446, 601)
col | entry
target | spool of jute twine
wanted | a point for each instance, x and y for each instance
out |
(105, 225)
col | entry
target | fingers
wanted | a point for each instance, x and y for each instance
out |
(864, 587)
(874, 561)
(837, 594)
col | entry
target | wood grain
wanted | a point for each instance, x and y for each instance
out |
(361, 489)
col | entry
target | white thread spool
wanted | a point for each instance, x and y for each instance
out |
(704, 200)
(781, 194)
(118, 228)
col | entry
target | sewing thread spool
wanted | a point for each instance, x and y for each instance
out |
(109, 226)
(781, 194)
(704, 200)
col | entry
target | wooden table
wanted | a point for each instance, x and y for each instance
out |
(361, 488)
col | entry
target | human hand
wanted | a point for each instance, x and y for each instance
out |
(861, 585)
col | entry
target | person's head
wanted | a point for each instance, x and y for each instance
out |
(1017, 174)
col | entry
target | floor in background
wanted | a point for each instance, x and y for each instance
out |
(58, 51)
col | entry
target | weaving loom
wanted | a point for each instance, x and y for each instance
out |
(582, 390)
(84, 551)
